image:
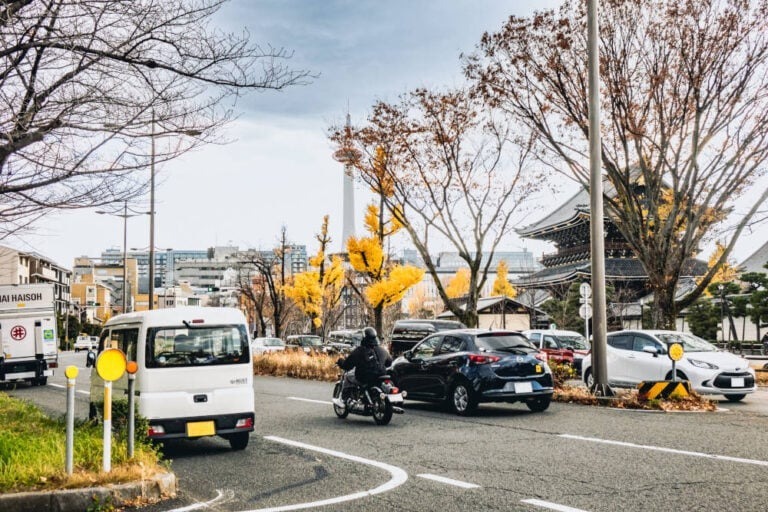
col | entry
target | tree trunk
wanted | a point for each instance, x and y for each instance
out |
(378, 319)
(664, 311)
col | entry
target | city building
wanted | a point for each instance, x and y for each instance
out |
(24, 267)
(93, 300)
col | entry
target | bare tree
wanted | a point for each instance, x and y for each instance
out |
(87, 86)
(450, 174)
(268, 277)
(685, 126)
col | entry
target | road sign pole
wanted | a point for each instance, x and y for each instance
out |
(70, 373)
(107, 426)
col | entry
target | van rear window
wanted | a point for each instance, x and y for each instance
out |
(212, 345)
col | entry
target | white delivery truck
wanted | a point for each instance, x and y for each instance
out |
(195, 373)
(27, 333)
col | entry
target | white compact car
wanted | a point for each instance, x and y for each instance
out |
(85, 342)
(262, 345)
(634, 356)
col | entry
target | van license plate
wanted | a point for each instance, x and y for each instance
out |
(737, 382)
(201, 428)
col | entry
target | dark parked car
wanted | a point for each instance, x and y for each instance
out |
(467, 366)
(407, 333)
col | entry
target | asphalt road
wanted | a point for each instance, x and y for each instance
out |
(568, 458)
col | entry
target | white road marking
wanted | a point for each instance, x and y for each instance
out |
(56, 385)
(83, 392)
(399, 477)
(668, 450)
(228, 496)
(449, 481)
(324, 402)
(551, 506)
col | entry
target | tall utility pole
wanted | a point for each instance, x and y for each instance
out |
(597, 213)
(152, 217)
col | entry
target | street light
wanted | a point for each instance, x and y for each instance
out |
(125, 217)
(190, 133)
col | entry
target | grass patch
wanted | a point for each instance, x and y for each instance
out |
(32, 452)
(628, 399)
(297, 364)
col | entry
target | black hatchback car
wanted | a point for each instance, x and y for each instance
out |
(464, 367)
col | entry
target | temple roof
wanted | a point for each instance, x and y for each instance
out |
(623, 269)
(573, 211)
(756, 260)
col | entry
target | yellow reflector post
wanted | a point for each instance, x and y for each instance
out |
(71, 372)
(675, 351)
(111, 364)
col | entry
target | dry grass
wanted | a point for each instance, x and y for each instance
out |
(297, 364)
(628, 399)
(761, 376)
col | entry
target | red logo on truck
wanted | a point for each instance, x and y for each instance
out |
(18, 333)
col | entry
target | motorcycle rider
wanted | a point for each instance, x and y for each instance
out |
(370, 361)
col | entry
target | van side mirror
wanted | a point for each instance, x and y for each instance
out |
(408, 355)
(90, 359)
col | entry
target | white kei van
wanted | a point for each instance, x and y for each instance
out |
(195, 373)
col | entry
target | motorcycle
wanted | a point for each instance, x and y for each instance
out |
(378, 401)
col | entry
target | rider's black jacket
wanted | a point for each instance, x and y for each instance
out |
(369, 362)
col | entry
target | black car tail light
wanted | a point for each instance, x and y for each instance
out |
(482, 359)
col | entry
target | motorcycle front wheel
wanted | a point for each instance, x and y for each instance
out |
(382, 411)
(341, 412)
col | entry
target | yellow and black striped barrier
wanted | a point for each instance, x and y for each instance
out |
(654, 389)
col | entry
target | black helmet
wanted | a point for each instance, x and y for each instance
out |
(369, 336)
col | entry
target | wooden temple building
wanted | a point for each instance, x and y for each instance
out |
(568, 228)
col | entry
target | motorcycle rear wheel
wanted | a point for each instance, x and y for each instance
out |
(341, 412)
(382, 411)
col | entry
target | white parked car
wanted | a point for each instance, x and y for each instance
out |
(634, 356)
(262, 345)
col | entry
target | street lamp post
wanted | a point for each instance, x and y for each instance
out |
(125, 215)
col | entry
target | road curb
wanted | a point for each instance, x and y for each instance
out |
(155, 488)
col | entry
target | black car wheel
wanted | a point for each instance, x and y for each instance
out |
(680, 376)
(238, 441)
(341, 412)
(538, 404)
(463, 399)
(589, 379)
(735, 398)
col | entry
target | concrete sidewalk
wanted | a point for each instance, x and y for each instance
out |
(153, 489)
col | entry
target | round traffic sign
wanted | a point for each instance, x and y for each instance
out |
(585, 311)
(585, 290)
(111, 364)
(675, 351)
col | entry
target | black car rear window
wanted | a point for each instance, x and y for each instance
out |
(502, 341)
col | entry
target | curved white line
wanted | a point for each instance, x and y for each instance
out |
(399, 477)
(207, 504)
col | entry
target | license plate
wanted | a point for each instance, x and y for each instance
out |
(737, 382)
(395, 398)
(523, 387)
(201, 428)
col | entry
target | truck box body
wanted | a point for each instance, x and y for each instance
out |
(27, 332)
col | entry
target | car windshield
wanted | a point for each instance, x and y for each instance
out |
(182, 346)
(575, 342)
(504, 342)
(689, 342)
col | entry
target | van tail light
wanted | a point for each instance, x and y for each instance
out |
(482, 359)
(155, 430)
(244, 423)
(53, 365)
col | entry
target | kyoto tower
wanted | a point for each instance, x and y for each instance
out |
(347, 155)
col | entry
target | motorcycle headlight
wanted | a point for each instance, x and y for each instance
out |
(702, 364)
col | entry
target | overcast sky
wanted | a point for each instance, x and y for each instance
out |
(279, 169)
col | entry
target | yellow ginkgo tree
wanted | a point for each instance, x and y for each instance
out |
(502, 286)
(458, 285)
(385, 283)
(317, 292)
